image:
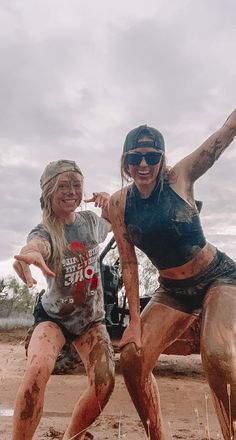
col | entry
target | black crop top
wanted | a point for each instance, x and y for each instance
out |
(165, 227)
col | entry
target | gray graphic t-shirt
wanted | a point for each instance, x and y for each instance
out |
(76, 297)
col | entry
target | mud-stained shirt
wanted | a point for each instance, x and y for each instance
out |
(75, 296)
(164, 226)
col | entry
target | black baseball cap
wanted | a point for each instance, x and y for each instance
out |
(132, 139)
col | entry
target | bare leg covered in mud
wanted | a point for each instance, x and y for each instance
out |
(45, 345)
(96, 352)
(161, 325)
(218, 350)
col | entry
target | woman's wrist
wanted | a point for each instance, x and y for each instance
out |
(231, 122)
(135, 319)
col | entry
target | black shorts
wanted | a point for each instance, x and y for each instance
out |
(40, 315)
(188, 295)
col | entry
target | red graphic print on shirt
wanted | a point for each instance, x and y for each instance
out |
(80, 271)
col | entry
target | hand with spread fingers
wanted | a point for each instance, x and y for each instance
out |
(24, 272)
(25, 259)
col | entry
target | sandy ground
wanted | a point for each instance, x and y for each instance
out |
(186, 403)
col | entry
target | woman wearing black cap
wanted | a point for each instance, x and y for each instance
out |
(158, 214)
(65, 246)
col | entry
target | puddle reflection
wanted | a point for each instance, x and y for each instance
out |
(6, 412)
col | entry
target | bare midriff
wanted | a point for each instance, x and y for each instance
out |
(193, 267)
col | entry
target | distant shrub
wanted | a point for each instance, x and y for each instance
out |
(16, 303)
(16, 321)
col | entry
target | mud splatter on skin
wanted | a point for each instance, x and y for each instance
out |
(114, 202)
(129, 353)
(218, 148)
(89, 340)
(143, 391)
(30, 401)
(44, 335)
(33, 358)
(101, 360)
(39, 411)
(27, 413)
(95, 334)
(186, 215)
(44, 248)
(207, 158)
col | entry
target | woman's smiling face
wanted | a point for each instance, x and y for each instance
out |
(68, 193)
(143, 174)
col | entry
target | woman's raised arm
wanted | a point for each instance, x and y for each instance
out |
(197, 163)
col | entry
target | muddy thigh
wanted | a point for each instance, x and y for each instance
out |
(161, 326)
(218, 350)
(96, 352)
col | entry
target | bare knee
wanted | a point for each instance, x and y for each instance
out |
(218, 335)
(218, 354)
(103, 385)
(39, 368)
(104, 374)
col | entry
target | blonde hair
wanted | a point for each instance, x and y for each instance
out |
(53, 225)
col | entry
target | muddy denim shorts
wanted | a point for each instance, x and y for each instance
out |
(188, 295)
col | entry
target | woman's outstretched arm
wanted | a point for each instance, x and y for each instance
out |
(35, 252)
(197, 163)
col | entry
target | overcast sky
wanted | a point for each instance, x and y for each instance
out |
(76, 76)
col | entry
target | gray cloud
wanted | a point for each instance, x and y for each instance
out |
(75, 78)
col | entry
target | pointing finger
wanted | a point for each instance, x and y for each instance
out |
(89, 200)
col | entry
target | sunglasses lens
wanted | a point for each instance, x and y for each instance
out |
(133, 159)
(151, 158)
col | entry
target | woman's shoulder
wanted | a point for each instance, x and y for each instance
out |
(117, 204)
(120, 194)
(82, 216)
(87, 216)
(39, 227)
(39, 231)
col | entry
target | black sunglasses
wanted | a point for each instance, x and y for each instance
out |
(151, 158)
